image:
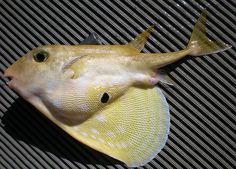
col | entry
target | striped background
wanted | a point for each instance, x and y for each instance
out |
(203, 103)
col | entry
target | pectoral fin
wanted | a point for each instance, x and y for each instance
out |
(141, 39)
(132, 129)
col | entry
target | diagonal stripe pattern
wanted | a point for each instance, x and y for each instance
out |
(202, 104)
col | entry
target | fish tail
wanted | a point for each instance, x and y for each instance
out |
(200, 44)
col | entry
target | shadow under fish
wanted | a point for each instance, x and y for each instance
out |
(25, 124)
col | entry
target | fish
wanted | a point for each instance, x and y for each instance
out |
(105, 96)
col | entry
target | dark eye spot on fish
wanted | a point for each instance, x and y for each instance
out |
(104, 98)
(41, 56)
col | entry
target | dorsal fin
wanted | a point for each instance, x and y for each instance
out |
(141, 39)
(133, 129)
(92, 39)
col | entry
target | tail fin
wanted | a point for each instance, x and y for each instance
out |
(199, 44)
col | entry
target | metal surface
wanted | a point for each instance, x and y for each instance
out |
(202, 104)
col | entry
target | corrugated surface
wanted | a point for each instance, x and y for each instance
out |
(203, 104)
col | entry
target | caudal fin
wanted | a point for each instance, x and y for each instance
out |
(200, 44)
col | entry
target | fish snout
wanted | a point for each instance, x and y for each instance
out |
(9, 75)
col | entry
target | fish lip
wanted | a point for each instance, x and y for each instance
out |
(9, 83)
(8, 78)
(70, 62)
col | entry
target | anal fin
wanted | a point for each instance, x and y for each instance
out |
(163, 77)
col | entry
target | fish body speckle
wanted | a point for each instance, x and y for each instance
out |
(105, 96)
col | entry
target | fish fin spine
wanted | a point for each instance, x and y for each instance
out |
(139, 42)
(165, 78)
(200, 44)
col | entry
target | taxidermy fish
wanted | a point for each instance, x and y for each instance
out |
(105, 96)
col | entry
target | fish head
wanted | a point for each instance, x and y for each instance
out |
(31, 74)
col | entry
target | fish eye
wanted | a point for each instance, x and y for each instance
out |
(105, 97)
(40, 56)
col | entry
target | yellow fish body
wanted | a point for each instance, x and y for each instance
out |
(105, 95)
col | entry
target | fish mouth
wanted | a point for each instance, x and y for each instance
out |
(8, 78)
(8, 81)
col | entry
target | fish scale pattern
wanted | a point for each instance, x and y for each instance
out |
(202, 103)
